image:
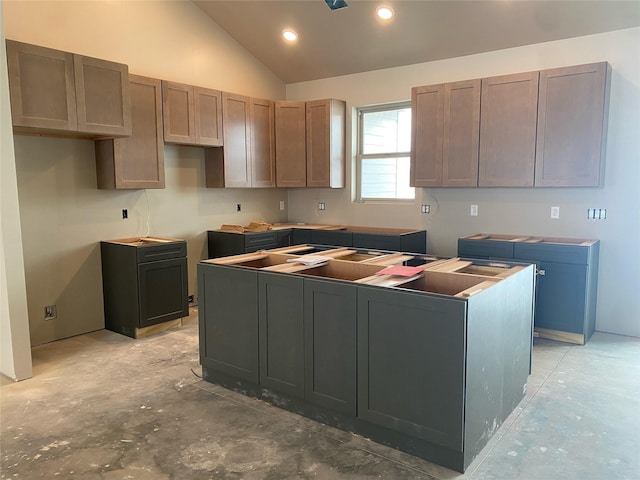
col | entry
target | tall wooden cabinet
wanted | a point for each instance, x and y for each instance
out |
(427, 131)
(136, 161)
(291, 147)
(67, 94)
(248, 156)
(445, 134)
(191, 115)
(310, 143)
(325, 132)
(508, 130)
(572, 120)
(263, 143)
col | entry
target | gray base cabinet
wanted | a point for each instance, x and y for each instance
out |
(280, 304)
(144, 283)
(330, 344)
(566, 283)
(432, 366)
(225, 243)
(421, 391)
(228, 299)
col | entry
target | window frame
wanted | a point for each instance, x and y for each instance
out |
(359, 157)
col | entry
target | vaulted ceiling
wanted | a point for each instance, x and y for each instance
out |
(352, 39)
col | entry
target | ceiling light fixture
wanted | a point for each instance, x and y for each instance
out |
(289, 35)
(385, 13)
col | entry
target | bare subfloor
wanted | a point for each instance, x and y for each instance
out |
(104, 406)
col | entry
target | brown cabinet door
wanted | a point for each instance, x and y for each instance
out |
(291, 163)
(325, 143)
(208, 116)
(237, 138)
(263, 161)
(102, 96)
(461, 140)
(572, 115)
(42, 87)
(136, 161)
(427, 130)
(508, 130)
(178, 113)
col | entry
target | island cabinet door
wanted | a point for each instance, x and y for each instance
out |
(228, 320)
(411, 364)
(280, 306)
(330, 344)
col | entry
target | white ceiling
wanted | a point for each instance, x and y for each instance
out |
(352, 40)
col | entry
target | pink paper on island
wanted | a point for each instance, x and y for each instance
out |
(400, 270)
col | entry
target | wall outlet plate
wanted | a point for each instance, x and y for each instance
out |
(473, 211)
(555, 212)
(50, 312)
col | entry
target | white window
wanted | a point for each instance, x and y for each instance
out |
(384, 147)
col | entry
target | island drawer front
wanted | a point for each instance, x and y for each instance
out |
(155, 252)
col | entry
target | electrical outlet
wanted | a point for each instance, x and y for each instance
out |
(125, 214)
(555, 212)
(425, 209)
(238, 207)
(50, 312)
(474, 210)
(281, 204)
(321, 206)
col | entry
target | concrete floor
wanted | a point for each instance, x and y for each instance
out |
(104, 406)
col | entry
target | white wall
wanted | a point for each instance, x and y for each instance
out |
(503, 210)
(15, 355)
(64, 216)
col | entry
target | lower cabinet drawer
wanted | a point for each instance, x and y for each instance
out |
(259, 240)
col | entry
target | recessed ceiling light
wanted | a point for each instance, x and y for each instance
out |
(289, 35)
(385, 13)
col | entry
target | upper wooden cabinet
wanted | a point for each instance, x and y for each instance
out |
(572, 114)
(325, 143)
(136, 161)
(247, 158)
(508, 130)
(310, 143)
(191, 115)
(65, 93)
(291, 146)
(445, 134)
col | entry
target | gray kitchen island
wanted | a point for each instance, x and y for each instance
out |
(430, 360)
